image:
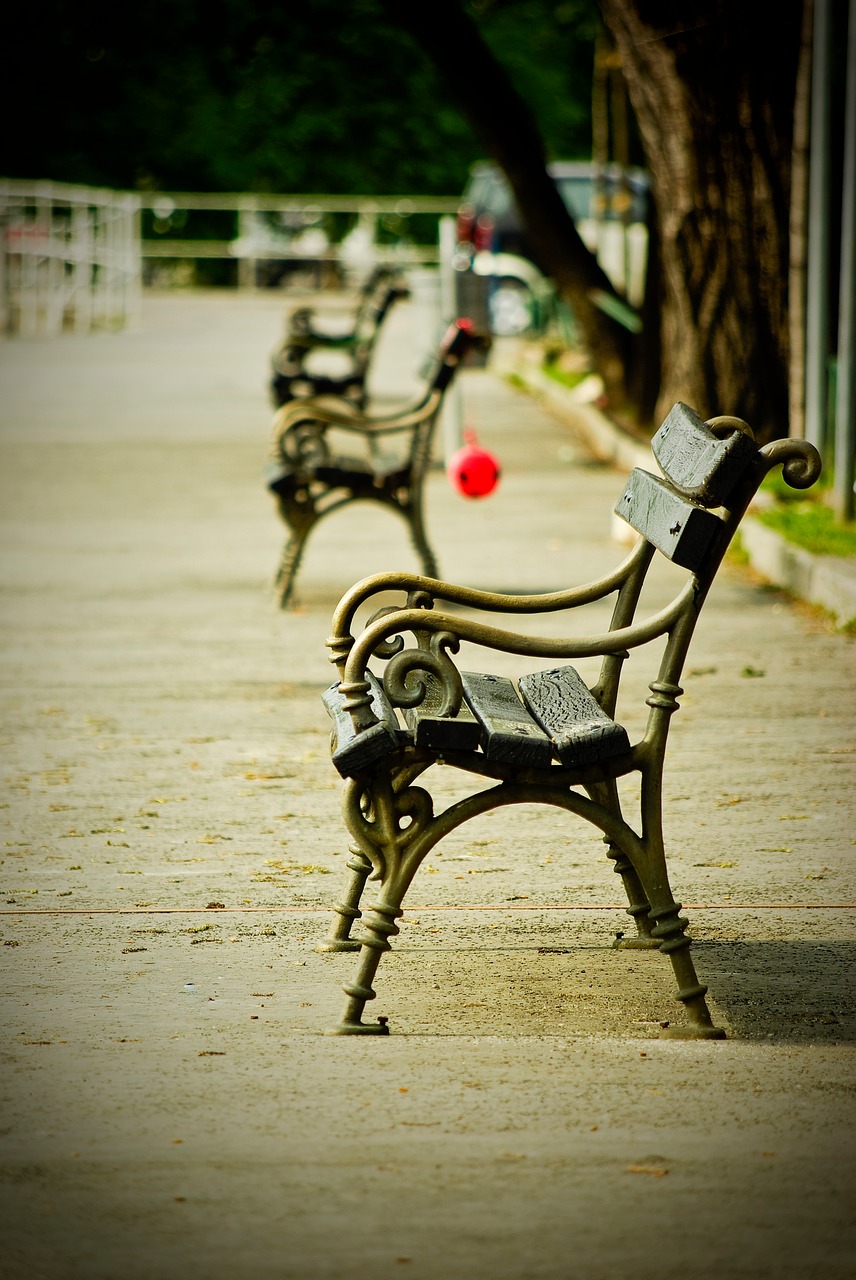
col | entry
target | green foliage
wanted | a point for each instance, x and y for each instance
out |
(805, 518)
(240, 95)
(567, 378)
(811, 524)
(547, 48)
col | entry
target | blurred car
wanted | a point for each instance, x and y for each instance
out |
(609, 207)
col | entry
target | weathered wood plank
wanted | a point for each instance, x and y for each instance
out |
(509, 733)
(581, 732)
(681, 530)
(352, 752)
(704, 467)
(441, 732)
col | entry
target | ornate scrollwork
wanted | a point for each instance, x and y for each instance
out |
(392, 644)
(801, 462)
(419, 598)
(303, 446)
(386, 827)
(725, 424)
(401, 679)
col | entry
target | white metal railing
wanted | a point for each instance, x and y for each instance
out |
(70, 258)
(297, 229)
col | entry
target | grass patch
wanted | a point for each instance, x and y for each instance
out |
(812, 525)
(737, 552)
(566, 377)
(805, 518)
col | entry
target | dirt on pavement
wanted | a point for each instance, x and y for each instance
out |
(170, 1105)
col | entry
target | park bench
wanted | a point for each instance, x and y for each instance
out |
(385, 461)
(300, 364)
(549, 739)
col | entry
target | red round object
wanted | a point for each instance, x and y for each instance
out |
(473, 471)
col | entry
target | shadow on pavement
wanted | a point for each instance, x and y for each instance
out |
(792, 991)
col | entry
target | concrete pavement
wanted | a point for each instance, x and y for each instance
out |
(170, 1107)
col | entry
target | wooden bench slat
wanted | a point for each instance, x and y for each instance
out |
(678, 528)
(581, 732)
(441, 732)
(704, 467)
(352, 752)
(509, 733)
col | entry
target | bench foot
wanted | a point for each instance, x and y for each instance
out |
(691, 1032)
(378, 1028)
(636, 944)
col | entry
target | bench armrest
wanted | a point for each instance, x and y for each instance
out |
(438, 634)
(330, 411)
(422, 592)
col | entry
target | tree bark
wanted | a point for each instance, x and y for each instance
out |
(712, 86)
(798, 226)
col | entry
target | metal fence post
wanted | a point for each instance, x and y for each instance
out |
(845, 398)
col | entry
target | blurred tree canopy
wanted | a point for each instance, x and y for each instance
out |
(242, 95)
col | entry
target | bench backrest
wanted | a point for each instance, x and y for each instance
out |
(460, 337)
(382, 290)
(701, 470)
(711, 472)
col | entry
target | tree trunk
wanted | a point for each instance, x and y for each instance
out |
(504, 123)
(713, 87)
(798, 226)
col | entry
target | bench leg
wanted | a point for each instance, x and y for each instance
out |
(668, 925)
(413, 514)
(640, 907)
(669, 928)
(348, 910)
(379, 924)
(290, 562)
(394, 823)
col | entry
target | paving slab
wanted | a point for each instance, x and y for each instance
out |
(172, 844)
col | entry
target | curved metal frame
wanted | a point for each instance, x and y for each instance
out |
(311, 482)
(392, 822)
(293, 380)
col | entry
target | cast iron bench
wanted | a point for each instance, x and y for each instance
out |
(386, 460)
(550, 739)
(296, 371)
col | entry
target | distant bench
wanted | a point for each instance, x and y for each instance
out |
(326, 455)
(546, 738)
(297, 370)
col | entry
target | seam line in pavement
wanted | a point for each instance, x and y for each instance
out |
(308, 911)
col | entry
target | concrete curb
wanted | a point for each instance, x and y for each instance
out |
(826, 581)
(606, 441)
